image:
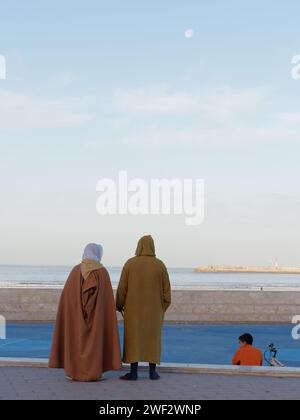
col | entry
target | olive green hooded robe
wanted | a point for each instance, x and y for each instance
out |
(144, 294)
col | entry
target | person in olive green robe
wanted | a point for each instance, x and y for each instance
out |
(144, 294)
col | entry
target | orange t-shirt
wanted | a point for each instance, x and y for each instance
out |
(248, 356)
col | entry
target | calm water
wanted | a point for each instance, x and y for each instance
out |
(182, 278)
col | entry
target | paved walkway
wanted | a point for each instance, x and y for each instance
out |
(43, 383)
(182, 343)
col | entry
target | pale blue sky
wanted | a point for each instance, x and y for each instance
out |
(95, 87)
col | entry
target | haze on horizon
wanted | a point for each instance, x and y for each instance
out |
(173, 90)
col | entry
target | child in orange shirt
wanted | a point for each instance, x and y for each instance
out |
(247, 355)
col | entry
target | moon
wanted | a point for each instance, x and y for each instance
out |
(189, 33)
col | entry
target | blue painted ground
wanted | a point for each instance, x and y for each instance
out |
(181, 343)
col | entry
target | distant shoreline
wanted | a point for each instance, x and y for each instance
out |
(271, 270)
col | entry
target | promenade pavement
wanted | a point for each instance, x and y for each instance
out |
(42, 383)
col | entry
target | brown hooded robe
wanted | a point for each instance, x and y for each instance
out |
(144, 293)
(86, 338)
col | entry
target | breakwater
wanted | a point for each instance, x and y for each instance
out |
(216, 306)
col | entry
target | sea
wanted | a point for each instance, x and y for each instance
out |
(181, 278)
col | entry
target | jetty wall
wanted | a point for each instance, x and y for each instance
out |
(204, 306)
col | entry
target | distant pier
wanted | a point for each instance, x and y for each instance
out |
(238, 269)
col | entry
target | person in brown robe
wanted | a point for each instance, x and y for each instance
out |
(144, 294)
(86, 338)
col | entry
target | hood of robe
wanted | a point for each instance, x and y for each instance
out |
(91, 259)
(145, 247)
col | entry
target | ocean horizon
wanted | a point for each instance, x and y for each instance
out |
(180, 278)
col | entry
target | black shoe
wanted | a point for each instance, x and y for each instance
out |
(129, 377)
(154, 376)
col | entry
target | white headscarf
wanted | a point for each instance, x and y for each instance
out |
(93, 252)
(91, 259)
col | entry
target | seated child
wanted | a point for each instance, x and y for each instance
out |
(247, 355)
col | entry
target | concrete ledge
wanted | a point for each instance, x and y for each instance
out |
(178, 368)
(23, 362)
(230, 370)
(215, 306)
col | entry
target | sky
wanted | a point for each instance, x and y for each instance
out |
(96, 87)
